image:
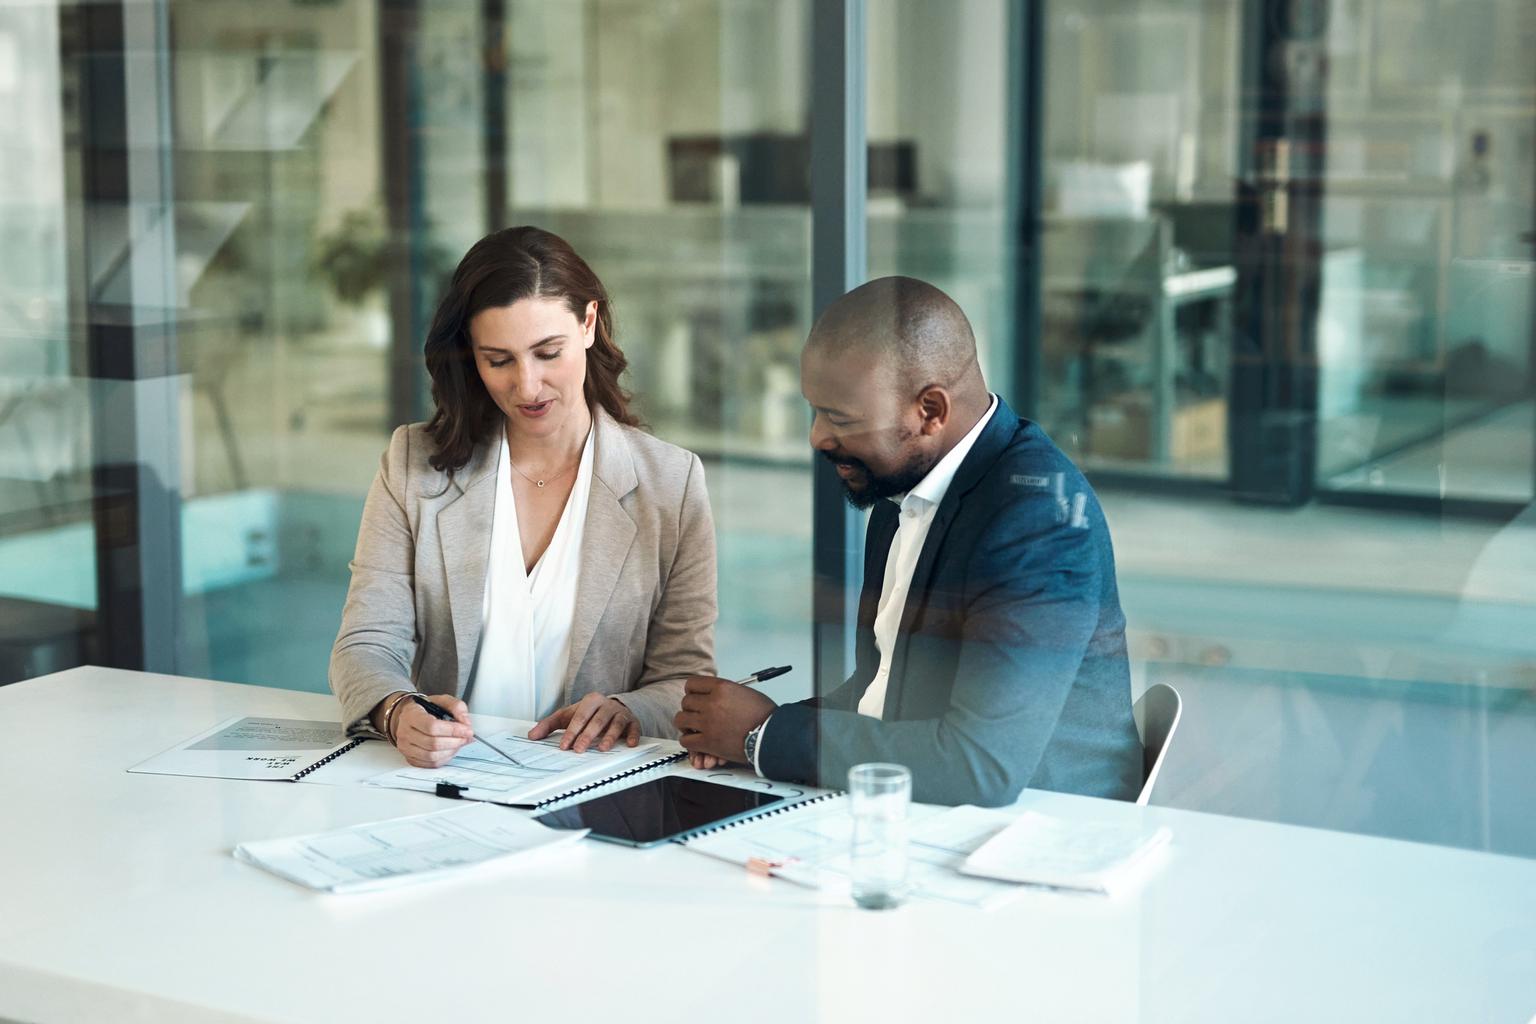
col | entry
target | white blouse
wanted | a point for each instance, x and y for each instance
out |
(525, 638)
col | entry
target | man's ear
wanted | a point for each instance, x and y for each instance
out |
(934, 406)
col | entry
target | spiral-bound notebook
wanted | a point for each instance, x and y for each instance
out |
(670, 808)
(536, 774)
(254, 747)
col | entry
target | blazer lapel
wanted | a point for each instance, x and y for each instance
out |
(990, 444)
(606, 538)
(464, 536)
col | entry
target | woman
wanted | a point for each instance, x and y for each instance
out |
(528, 552)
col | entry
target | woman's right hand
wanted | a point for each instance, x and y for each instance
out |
(429, 742)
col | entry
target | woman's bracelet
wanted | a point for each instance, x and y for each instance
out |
(389, 715)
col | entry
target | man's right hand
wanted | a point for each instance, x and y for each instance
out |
(429, 742)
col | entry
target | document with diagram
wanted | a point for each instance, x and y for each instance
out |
(254, 747)
(536, 772)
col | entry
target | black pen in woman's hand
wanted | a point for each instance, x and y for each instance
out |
(440, 712)
(762, 675)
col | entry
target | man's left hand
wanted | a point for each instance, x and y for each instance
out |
(717, 714)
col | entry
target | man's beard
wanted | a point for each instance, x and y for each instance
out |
(877, 487)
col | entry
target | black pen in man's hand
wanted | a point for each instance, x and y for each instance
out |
(762, 675)
(438, 711)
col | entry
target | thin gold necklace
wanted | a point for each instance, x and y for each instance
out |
(538, 483)
(547, 479)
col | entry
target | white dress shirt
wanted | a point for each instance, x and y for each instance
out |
(918, 507)
(525, 644)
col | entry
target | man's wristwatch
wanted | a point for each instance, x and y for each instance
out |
(749, 747)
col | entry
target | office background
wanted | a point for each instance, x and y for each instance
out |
(1263, 268)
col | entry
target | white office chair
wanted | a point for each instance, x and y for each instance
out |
(1157, 716)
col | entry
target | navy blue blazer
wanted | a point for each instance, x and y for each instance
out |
(1010, 667)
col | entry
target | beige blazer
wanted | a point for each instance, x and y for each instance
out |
(645, 603)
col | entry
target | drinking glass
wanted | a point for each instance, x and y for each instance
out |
(878, 797)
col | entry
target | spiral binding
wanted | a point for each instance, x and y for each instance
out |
(795, 806)
(357, 741)
(636, 770)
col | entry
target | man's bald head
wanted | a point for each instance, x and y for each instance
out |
(909, 326)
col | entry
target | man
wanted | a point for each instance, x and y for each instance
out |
(991, 644)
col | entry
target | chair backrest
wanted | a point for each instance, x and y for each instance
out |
(1157, 716)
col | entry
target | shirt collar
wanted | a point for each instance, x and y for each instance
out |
(932, 488)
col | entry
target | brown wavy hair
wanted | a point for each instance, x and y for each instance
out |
(501, 268)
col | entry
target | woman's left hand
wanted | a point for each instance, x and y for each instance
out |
(595, 719)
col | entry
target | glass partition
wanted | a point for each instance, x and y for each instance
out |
(1285, 258)
(1138, 275)
(650, 176)
(1427, 314)
(1274, 293)
(670, 150)
(283, 336)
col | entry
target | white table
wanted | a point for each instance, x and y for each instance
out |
(119, 900)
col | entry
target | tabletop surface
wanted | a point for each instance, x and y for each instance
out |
(121, 901)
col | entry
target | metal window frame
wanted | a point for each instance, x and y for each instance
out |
(401, 178)
(120, 52)
(1025, 197)
(839, 262)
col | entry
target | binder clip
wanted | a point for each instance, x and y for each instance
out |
(450, 790)
(765, 866)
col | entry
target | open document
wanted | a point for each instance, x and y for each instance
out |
(811, 845)
(536, 772)
(389, 853)
(1095, 856)
(254, 747)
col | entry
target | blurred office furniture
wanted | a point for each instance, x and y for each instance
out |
(768, 167)
(726, 170)
(1491, 306)
(44, 423)
(39, 637)
(1144, 377)
(1157, 713)
(1203, 229)
(1089, 189)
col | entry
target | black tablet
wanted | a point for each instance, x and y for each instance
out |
(671, 807)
